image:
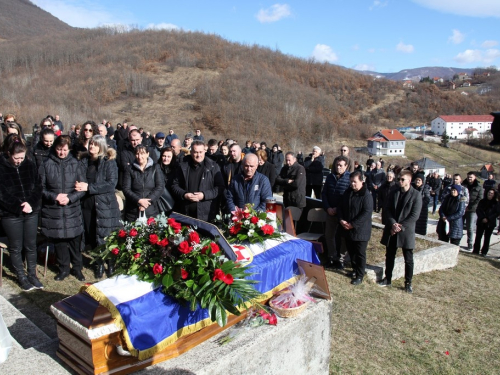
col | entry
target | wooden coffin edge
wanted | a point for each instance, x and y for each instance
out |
(99, 356)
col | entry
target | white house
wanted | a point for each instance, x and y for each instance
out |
(387, 142)
(458, 127)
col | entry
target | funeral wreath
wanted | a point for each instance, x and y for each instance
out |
(188, 267)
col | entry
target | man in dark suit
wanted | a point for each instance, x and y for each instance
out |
(403, 210)
(198, 185)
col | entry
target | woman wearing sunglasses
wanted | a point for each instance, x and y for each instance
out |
(88, 130)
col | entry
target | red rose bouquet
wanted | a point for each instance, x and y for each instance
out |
(189, 267)
(247, 224)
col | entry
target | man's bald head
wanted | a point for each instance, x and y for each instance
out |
(250, 164)
(176, 146)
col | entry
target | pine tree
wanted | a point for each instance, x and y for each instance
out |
(445, 139)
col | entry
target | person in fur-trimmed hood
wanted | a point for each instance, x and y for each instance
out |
(100, 210)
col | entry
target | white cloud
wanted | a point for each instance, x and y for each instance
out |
(324, 53)
(477, 56)
(371, 50)
(81, 13)
(489, 43)
(274, 13)
(364, 67)
(162, 26)
(476, 8)
(378, 4)
(457, 37)
(355, 47)
(406, 48)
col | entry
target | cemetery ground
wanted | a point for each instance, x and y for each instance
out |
(449, 325)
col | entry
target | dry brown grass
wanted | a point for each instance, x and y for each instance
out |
(386, 331)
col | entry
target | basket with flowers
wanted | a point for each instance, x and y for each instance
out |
(188, 267)
(247, 224)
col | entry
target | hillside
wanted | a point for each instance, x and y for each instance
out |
(160, 79)
(22, 18)
(418, 73)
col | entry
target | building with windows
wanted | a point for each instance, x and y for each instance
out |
(461, 127)
(387, 142)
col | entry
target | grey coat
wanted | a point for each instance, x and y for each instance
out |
(407, 217)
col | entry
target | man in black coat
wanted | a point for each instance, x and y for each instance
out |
(403, 211)
(233, 165)
(355, 218)
(336, 184)
(435, 183)
(199, 185)
(313, 165)
(214, 153)
(470, 216)
(292, 178)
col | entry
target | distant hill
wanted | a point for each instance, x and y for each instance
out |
(190, 80)
(161, 79)
(22, 18)
(418, 73)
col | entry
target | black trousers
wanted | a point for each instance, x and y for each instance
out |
(68, 250)
(89, 225)
(315, 188)
(21, 233)
(482, 229)
(390, 255)
(357, 253)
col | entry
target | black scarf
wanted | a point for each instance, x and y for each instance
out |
(450, 205)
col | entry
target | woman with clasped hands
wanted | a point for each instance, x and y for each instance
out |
(143, 184)
(61, 212)
(20, 193)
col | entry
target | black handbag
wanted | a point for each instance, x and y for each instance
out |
(166, 201)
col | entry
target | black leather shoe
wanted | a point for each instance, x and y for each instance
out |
(61, 276)
(357, 281)
(99, 271)
(78, 274)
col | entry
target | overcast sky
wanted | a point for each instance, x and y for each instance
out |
(379, 35)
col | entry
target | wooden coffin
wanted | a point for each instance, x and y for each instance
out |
(99, 355)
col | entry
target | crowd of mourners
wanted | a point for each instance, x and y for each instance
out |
(68, 182)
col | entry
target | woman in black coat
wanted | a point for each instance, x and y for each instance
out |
(20, 194)
(61, 210)
(355, 219)
(487, 212)
(168, 164)
(143, 184)
(40, 152)
(100, 210)
(266, 168)
(383, 193)
(277, 159)
(425, 192)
